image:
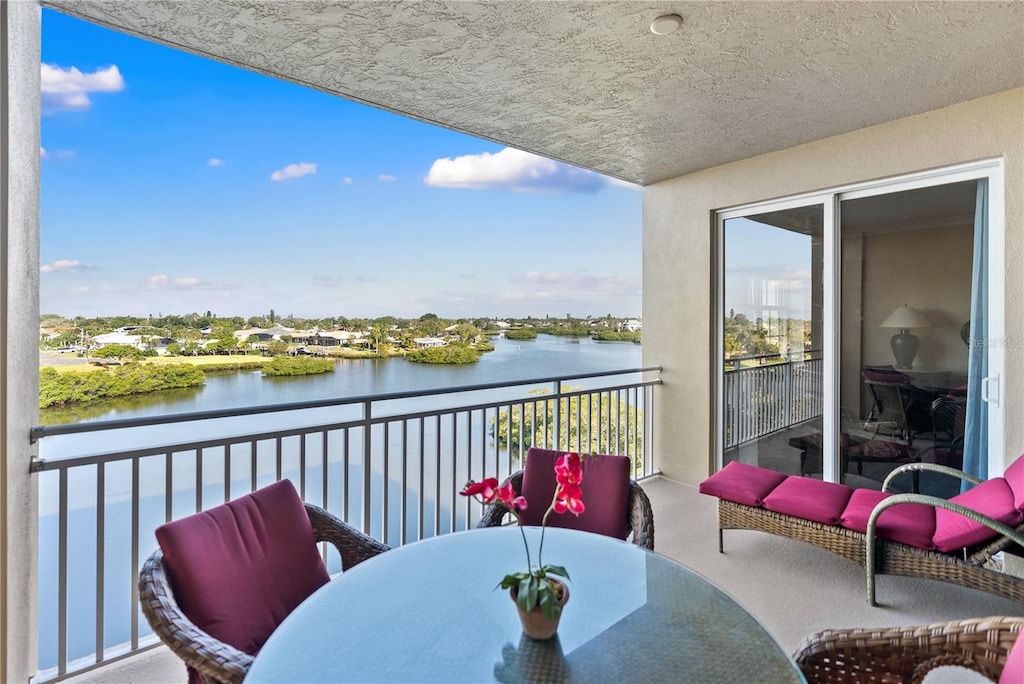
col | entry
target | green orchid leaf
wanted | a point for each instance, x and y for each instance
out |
(556, 570)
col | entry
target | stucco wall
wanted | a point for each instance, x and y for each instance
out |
(678, 231)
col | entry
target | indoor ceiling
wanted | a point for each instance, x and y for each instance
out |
(589, 84)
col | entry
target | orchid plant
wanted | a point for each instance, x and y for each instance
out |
(533, 586)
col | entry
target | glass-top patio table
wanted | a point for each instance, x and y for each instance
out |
(428, 612)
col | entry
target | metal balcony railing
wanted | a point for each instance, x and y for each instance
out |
(762, 399)
(389, 464)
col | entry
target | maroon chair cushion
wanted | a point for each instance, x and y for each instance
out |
(1014, 477)
(742, 483)
(810, 499)
(605, 490)
(1013, 671)
(239, 569)
(993, 498)
(911, 524)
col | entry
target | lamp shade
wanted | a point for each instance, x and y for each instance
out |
(905, 317)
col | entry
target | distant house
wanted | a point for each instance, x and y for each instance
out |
(427, 342)
(632, 325)
(127, 335)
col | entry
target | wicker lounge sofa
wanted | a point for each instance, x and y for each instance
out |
(887, 534)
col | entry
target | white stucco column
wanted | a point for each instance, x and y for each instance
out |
(19, 325)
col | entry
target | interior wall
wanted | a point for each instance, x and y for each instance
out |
(929, 270)
(678, 238)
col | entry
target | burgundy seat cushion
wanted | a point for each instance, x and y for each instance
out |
(911, 524)
(605, 490)
(742, 483)
(809, 499)
(993, 498)
(239, 569)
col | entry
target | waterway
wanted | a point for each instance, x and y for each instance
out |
(511, 361)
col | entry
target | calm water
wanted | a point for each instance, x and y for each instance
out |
(511, 361)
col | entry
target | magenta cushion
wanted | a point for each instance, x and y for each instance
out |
(1014, 477)
(809, 499)
(993, 498)
(742, 483)
(911, 524)
(239, 569)
(605, 490)
(1013, 671)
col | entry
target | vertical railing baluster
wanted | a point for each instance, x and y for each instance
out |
(455, 476)
(199, 479)
(346, 466)
(62, 571)
(469, 464)
(403, 505)
(135, 554)
(101, 533)
(302, 465)
(367, 458)
(323, 470)
(437, 475)
(279, 456)
(253, 465)
(227, 471)
(422, 486)
(386, 482)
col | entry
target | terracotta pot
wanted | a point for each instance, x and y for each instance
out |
(535, 625)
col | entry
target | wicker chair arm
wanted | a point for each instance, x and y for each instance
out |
(214, 660)
(927, 467)
(353, 545)
(908, 653)
(641, 516)
(936, 502)
(494, 515)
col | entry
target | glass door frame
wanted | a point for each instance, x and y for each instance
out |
(830, 200)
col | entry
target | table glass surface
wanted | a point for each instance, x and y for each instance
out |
(428, 612)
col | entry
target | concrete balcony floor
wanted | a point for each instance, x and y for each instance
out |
(792, 588)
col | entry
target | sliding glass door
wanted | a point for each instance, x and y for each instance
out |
(771, 318)
(860, 329)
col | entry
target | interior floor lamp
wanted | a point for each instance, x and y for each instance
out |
(904, 343)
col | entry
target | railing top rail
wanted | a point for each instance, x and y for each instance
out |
(40, 431)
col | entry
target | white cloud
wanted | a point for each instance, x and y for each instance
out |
(63, 265)
(579, 282)
(214, 162)
(163, 281)
(63, 89)
(55, 154)
(385, 178)
(347, 180)
(293, 171)
(513, 170)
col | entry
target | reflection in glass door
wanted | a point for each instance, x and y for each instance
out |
(771, 344)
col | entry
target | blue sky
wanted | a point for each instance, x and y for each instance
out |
(172, 184)
(767, 267)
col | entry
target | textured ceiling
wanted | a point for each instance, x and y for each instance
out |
(587, 83)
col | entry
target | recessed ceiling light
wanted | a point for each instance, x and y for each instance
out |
(666, 24)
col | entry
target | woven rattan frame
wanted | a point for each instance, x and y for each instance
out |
(907, 654)
(214, 660)
(639, 515)
(891, 558)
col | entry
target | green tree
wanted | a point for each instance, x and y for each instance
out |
(597, 422)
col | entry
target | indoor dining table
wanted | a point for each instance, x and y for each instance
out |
(429, 612)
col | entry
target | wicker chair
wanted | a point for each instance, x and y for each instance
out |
(216, 661)
(907, 654)
(639, 516)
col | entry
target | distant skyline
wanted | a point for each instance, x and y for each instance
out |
(173, 184)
